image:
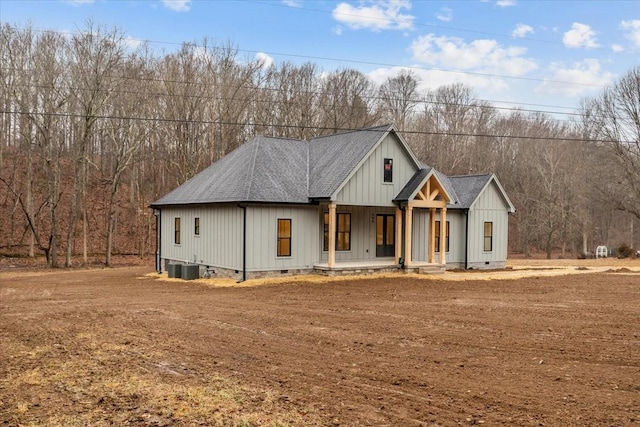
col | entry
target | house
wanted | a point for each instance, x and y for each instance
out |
(353, 201)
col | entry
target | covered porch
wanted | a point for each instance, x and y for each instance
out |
(394, 233)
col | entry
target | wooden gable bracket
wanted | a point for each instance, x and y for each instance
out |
(433, 189)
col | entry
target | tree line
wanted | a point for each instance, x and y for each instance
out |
(92, 130)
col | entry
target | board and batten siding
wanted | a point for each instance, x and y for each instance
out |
(366, 186)
(262, 237)
(219, 243)
(420, 237)
(490, 207)
(363, 232)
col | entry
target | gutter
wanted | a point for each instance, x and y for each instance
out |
(244, 243)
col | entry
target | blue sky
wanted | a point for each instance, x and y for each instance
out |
(512, 52)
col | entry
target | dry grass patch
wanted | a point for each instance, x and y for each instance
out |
(95, 382)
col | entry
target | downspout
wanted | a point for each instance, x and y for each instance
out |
(466, 240)
(402, 248)
(158, 215)
(244, 243)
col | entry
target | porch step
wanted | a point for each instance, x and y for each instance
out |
(431, 269)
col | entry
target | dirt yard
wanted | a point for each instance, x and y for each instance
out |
(123, 347)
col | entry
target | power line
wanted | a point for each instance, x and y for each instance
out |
(306, 127)
(317, 94)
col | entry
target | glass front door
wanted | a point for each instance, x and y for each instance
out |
(385, 235)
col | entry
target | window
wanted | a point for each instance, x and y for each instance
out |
(176, 231)
(196, 226)
(284, 237)
(488, 236)
(343, 232)
(388, 170)
(446, 237)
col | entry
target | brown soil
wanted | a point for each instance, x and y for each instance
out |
(120, 347)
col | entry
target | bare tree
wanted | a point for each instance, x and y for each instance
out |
(97, 59)
(449, 122)
(398, 97)
(613, 118)
(39, 93)
(124, 136)
(234, 84)
(346, 101)
(286, 104)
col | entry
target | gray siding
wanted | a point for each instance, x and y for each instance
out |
(366, 186)
(363, 232)
(262, 237)
(420, 237)
(490, 207)
(219, 243)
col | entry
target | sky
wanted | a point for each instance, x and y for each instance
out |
(529, 54)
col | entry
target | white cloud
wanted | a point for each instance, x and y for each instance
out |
(292, 3)
(580, 35)
(575, 80)
(506, 3)
(178, 5)
(617, 48)
(522, 30)
(485, 56)
(375, 15)
(633, 30)
(265, 60)
(445, 14)
(132, 43)
(80, 2)
(434, 78)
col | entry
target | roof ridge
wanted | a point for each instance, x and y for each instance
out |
(281, 138)
(387, 126)
(470, 175)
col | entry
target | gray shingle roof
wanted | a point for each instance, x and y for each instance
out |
(412, 185)
(467, 188)
(262, 170)
(277, 170)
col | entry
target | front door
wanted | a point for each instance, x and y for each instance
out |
(385, 235)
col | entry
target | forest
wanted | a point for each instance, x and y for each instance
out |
(93, 129)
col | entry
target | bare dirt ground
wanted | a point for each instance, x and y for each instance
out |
(125, 347)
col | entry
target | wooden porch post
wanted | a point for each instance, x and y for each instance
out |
(432, 235)
(331, 261)
(398, 235)
(443, 235)
(408, 231)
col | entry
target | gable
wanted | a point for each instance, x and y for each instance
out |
(491, 199)
(366, 186)
(333, 158)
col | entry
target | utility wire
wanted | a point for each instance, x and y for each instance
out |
(476, 102)
(305, 127)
